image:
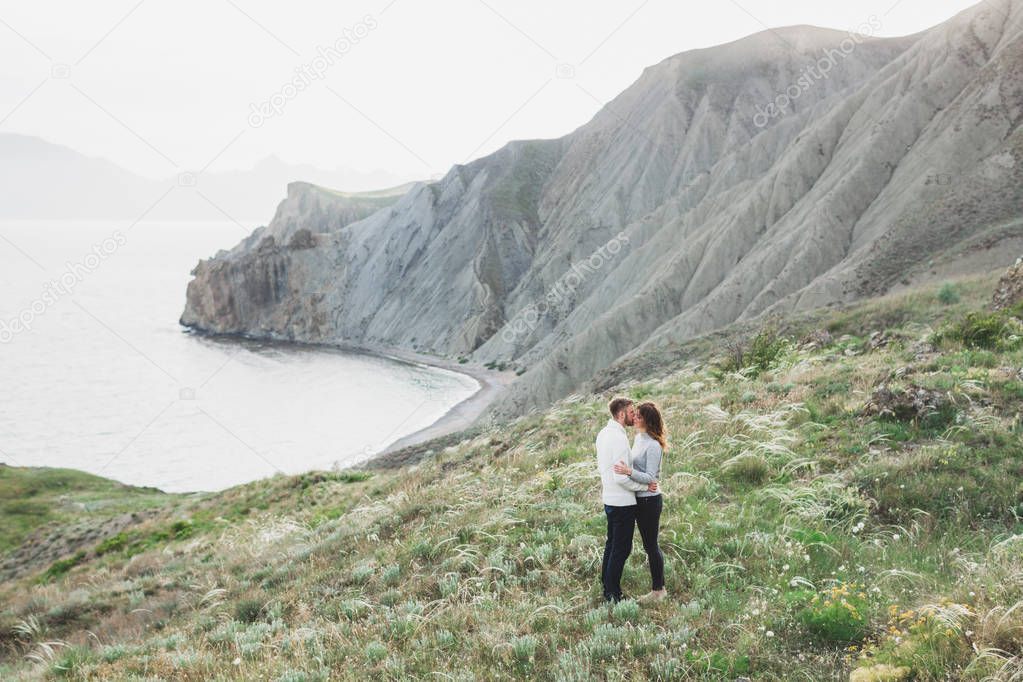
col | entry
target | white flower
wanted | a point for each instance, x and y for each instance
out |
(769, 633)
(785, 567)
(806, 557)
(237, 661)
(896, 537)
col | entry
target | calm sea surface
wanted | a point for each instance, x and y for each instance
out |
(98, 375)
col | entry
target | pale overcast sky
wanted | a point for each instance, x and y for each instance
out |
(165, 87)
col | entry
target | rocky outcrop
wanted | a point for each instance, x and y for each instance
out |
(1009, 291)
(262, 277)
(686, 204)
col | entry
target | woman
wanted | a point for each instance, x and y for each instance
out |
(647, 455)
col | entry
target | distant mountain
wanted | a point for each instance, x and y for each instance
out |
(43, 180)
(792, 169)
(39, 179)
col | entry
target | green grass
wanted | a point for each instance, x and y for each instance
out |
(804, 539)
(31, 498)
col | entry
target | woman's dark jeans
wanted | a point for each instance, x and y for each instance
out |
(648, 518)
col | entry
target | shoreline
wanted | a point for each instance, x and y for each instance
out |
(461, 416)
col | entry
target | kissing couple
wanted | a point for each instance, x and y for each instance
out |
(631, 492)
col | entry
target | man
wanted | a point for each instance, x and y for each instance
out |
(619, 496)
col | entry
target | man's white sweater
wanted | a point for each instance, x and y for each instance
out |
(612, 447)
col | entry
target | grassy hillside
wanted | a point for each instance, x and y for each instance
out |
(838, 503)
(41, 508)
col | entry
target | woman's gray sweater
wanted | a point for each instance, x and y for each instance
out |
(646, 462)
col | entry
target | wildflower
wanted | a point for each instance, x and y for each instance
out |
(237, 661)
(896, 537)
(785, 567)
(806, 557)
(769, 634)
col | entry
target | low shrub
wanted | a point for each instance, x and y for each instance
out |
(747, 468)
(991, 331)
(248, 610)
(60, 568)
(948, 294)
(838, 615)
(757, 356)
(930, 641)
(523, 650)
(375, 652)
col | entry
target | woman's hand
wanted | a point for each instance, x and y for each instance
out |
(652, 488)
(622, 468)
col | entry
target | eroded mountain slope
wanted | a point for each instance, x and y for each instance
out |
(684, 205)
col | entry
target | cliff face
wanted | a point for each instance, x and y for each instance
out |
(260, 286)
(687, 203)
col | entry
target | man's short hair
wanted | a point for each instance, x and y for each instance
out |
(617, 405)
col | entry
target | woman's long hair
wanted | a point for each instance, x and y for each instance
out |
(654, 424)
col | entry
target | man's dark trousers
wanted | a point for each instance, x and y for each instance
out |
(621, 523)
